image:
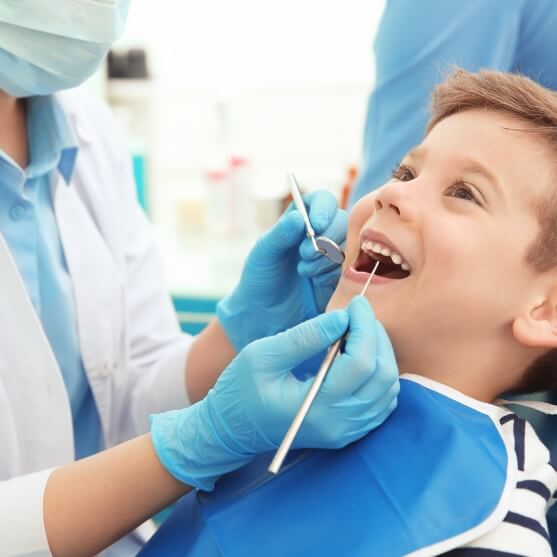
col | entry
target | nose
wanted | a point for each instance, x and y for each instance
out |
(392, 206)
(394, 198)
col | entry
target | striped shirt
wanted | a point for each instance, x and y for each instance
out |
(523, 532)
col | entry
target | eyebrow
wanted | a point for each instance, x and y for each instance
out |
(417, 154)
(468, 166)
(473, 167)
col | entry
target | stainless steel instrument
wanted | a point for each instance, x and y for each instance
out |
(328, 361)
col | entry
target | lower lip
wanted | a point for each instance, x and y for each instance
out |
(361, 277)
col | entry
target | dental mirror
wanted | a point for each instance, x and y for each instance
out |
(330, 249)
(323, 245)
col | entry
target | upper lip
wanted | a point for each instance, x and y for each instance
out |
(375, 236)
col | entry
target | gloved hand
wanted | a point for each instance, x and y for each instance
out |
(255, 399)
(284, 282)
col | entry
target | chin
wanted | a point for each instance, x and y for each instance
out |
(341, 297)
(336, 303)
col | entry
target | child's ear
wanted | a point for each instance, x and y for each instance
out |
(537, 327)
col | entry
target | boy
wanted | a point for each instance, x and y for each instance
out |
(467, 290)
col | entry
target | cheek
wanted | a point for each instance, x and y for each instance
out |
(362, 210)
(342, 295)
(360, 214)
(462, 276)
(453, 251)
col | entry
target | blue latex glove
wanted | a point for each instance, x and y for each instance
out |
(284, 282)
(255, 399)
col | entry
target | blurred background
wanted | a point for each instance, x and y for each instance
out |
(218, 101)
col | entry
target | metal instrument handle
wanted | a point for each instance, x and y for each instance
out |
(300, 416)
(301, 206)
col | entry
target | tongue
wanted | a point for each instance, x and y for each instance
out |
(387, 268)
(394, 274)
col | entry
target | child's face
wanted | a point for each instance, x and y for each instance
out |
(460, 213)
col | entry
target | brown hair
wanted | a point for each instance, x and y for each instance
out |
(522, 98)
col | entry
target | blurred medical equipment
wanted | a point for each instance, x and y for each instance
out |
(322, 244)
(230, 204)
(130, 94)
(328, 361)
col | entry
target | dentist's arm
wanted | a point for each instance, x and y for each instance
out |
(90, 503)
(82, 507)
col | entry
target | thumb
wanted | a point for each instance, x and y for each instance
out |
(362, 326)
(286, 233)
(292, 347)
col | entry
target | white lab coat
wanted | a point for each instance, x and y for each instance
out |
(132, 348)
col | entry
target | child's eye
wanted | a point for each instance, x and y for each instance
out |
(403, 173)
(463, 191)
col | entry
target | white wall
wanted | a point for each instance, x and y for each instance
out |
(233, 44)
(285, 83)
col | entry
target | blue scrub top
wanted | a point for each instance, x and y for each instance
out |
(416, 45)
(28, 224)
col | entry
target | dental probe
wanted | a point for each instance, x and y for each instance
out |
(300, 416)
(321, 244)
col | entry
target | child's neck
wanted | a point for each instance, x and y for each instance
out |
(484, 373)
(13, 129)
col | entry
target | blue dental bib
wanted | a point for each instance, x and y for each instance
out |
(434, 476)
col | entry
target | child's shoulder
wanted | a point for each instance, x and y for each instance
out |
(531, 453)
(524, 530)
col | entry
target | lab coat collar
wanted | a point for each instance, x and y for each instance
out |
(80, 126)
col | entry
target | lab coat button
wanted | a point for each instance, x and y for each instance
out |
(105, 370)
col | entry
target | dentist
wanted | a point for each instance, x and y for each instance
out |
(93, 366)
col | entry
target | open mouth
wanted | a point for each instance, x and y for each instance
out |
(391, 263)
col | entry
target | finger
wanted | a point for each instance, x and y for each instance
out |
(292, 347)
(362, 328)
(323, 288)
(372, 419)
(326, 280)
(338, 228)
(366, 407)
(336, 231)
(367, 423)
(322, 207)
(386, 368)
(317, 268)
(356, 365)
(285, 234)
(322, 297)
(380, 395)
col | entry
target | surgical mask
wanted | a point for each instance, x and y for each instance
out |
(49, 45)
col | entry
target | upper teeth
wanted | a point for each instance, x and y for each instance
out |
(375, 247)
